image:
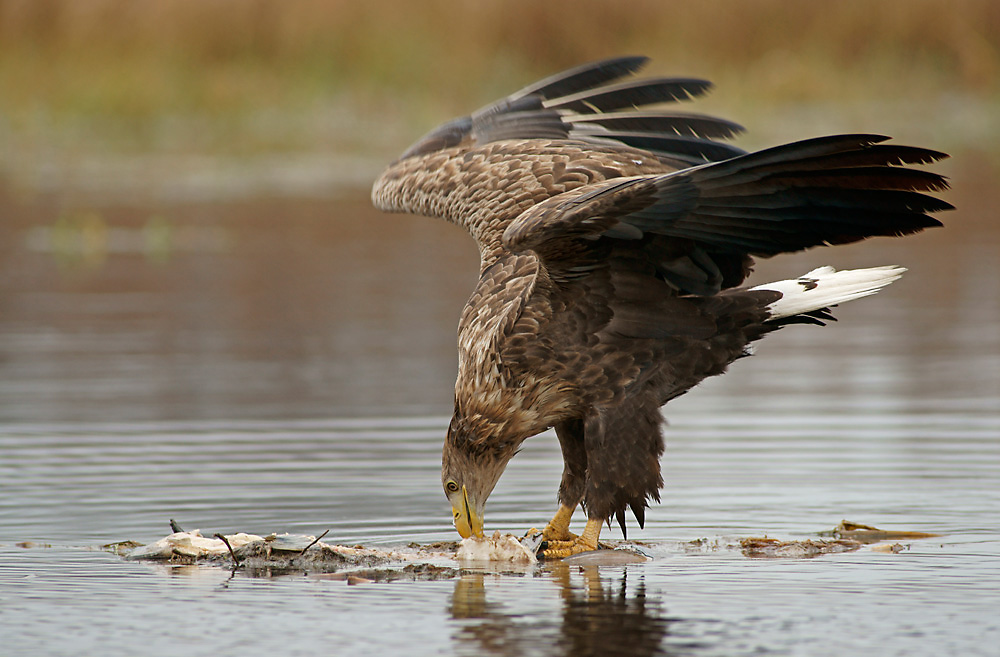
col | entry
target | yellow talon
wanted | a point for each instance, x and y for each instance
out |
(585, 542)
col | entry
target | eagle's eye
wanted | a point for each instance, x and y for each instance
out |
(451, 486)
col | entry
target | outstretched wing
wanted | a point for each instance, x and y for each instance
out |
(698, 226)
(581, 104)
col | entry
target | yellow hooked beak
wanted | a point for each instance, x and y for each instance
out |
(467, 521)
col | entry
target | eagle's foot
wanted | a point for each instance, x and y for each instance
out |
(585, 542)
(558, 527)
(554, 535)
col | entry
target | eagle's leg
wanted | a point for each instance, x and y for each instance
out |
(585, 542)
(622, 447)
(574, 478)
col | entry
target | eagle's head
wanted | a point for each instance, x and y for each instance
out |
(473, 459)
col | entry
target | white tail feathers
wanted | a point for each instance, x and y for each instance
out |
(825, 286)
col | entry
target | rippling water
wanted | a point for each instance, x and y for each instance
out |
(286, 366)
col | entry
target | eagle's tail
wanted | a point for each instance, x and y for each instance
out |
(825, 287)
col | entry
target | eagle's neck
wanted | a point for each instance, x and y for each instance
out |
(497, 389)
(506, 414)
(484, 434)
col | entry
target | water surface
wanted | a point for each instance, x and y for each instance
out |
(286, 365)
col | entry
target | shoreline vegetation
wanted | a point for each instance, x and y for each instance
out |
(108, 89)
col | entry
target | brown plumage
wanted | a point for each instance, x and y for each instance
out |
(612, 240)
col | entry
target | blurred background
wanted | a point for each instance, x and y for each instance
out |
(185, 229)
(203, 318)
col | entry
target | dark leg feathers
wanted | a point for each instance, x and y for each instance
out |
(624, 445)
(574, 452)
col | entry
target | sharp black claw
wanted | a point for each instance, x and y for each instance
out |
(639, 512)
(620, 516)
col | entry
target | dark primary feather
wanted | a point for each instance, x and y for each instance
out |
(824, 153)
(579, 104)
(444, 136)
(818, 191)
(583, 77)
(634, 93)
(691, 125)
(692, 149)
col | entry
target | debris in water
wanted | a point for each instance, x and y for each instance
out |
(289, 553)
(867, 534)
(30, 545)
(893, 548)
(846, 537)
(121, 548)
(770, 548)
(273, 554)
(505, 549)
(191, 544)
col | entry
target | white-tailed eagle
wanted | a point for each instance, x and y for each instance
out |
(614, 234)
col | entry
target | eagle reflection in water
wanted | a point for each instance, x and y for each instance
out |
(599, 616)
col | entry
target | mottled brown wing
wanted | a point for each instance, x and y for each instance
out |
(700, 222)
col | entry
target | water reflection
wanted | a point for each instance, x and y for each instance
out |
(201, 361)
(600, 615)
(263, 309)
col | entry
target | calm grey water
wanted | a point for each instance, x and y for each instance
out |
(286, 366)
